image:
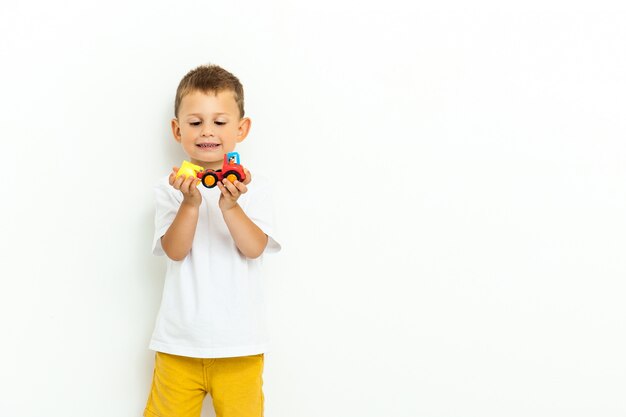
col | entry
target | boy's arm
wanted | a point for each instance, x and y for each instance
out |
(176, 242)
(249, 238)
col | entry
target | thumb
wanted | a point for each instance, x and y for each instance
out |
(248, 177)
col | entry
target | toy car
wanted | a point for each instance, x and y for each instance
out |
(231, 170)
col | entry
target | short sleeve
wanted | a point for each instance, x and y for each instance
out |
(260, 209)
(167, 202)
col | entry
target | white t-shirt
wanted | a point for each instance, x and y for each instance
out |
(213, 302)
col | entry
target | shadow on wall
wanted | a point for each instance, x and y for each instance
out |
(151, 276)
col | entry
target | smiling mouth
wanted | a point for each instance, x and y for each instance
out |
(208, 146)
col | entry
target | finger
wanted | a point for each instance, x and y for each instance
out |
(248, 176)
(196, 182)
(174, 172)
(188, 184)
(178, 181)
(241, 187)
(184, 186)
(231, 187)
(223, 190)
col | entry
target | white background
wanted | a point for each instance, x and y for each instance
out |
(451, 201)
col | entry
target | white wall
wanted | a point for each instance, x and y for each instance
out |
(451, 201)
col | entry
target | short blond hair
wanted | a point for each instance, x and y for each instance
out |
(209, 79)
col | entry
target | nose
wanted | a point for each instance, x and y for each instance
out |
(207, 130)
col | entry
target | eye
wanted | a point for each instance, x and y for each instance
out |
(195, 123)
(219, 123)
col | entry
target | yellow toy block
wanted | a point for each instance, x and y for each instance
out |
(189, 169)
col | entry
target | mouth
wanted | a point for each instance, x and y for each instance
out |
(210, 146)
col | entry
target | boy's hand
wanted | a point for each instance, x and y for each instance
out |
(188, 185)
(232, 191)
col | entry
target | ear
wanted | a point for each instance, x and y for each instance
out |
(176, 130)
(244, 128)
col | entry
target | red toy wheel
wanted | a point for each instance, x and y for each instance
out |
(209, 180)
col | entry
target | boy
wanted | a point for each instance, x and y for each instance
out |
(210, 334)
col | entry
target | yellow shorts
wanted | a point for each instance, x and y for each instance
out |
(180, 384)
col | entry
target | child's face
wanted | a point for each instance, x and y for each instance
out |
(209, 126)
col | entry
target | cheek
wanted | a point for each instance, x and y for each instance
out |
(188, 134)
